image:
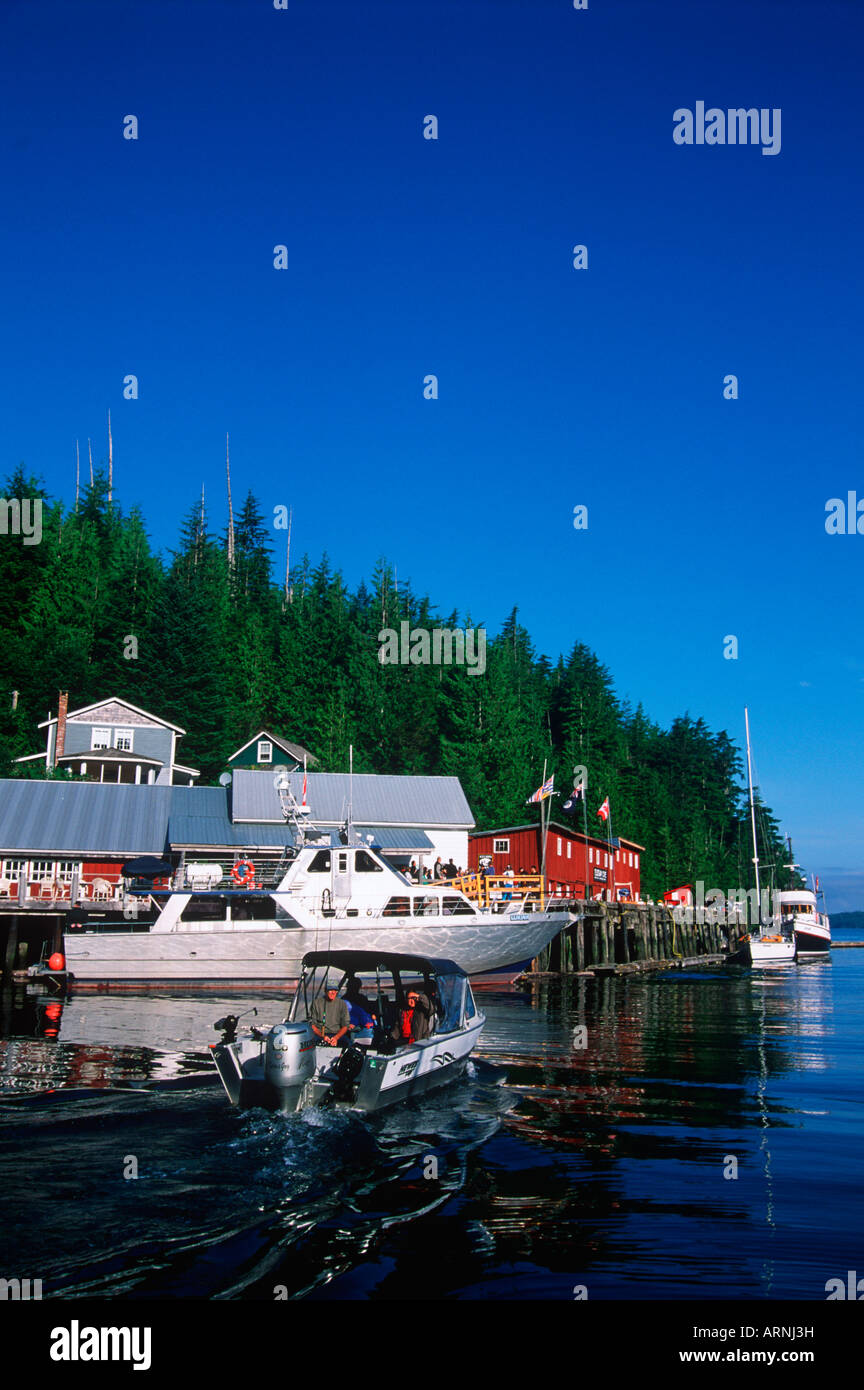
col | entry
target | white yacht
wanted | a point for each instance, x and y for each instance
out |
(330, 892)
(811, 928)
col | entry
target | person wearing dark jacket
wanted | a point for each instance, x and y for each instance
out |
(415, 1019)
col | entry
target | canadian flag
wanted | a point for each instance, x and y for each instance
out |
(603, 811)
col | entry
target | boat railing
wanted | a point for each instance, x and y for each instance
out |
(242, 872)
(492, 891)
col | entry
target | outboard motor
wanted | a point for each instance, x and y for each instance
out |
(289, 1060)
(348, 1068)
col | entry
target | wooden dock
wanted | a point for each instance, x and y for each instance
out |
(614, 938)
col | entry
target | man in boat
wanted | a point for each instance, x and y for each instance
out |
(329, 1019)
(361, 1011)
(415, 1018)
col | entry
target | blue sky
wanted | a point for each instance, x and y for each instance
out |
(409, 256)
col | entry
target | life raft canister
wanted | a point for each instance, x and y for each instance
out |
(243, 873)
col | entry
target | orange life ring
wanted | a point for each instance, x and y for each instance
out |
(243, 873)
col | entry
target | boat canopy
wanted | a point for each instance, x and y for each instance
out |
(352, 961)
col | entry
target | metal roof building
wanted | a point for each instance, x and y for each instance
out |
(83, 818)
(90, 819)
(379, 800)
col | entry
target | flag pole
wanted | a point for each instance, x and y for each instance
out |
(612, 855)
(543, 833)
(585, 848)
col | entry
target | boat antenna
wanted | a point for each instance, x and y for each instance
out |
(753, 815)
(350, 787)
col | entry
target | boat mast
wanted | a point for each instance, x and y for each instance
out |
(753, 815)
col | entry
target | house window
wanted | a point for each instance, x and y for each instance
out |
(41, 870)
(14, 869)
(500, 846)
(569, 847)
(265, 751)
(101, 738)
(559, 843)
(123, 741)
(636, 861)
(591, 856)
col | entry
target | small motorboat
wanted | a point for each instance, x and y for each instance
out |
(413, 1024)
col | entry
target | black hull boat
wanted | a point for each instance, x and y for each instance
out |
(812, 929)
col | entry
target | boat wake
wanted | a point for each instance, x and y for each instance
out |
(164, 1194)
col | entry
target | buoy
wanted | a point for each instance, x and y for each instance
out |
(54, 1012)
(57, 961)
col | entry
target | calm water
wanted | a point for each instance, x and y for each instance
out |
(557, 1165)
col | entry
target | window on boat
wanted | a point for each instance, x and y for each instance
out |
(428, 906)
(253, 909)
(365, 864)
(470, 1008)
(456, 907)
(450, 998)
(204, 907)
(320, 863)
(397, 907)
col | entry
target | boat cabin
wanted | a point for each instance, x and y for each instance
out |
(381, 982)
(797, 902)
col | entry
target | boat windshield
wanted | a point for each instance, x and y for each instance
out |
(450, 995)
(362, 987)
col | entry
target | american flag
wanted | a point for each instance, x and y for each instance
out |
(541, 792)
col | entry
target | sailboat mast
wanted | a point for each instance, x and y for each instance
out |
(753, 814)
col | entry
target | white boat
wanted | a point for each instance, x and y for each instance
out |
(329, 891)
(763, 947)
(810, 927)
(770, 943)
(288, 1067)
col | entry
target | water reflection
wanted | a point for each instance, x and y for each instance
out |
(556, 1164)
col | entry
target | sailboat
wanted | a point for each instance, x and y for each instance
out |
(769, 943)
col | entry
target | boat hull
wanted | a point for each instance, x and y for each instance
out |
(756, 950)
(384, 1081)
(270, 956)
(812, 940)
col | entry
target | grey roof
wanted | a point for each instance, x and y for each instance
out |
(200, 817)
(396, 837)
(82, 817)
(378, 800)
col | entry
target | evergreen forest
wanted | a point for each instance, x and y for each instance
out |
(224, 650)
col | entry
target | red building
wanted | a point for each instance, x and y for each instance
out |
(576, 866)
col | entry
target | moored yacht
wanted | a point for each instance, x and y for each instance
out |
(769, 943)
(330, 890)
(811, 928)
